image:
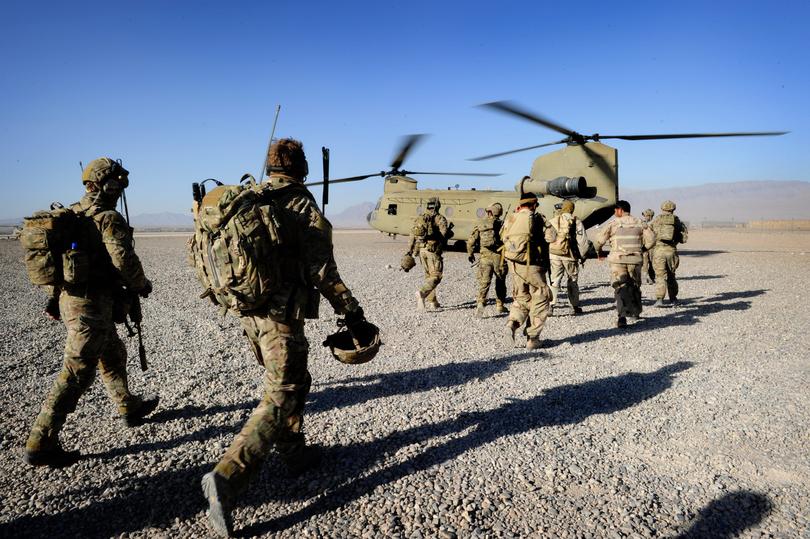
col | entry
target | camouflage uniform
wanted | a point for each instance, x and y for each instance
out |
(87, 312)
(430, 247)
(665, 255)
(486, 235)
(647, 270)
(277, 337)
(628, 236)
(565, 261)
(530, 292)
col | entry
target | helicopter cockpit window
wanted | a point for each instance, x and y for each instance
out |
(448, 212)
(392, 209)
(480, 213)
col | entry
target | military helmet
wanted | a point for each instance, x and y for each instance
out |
(407, 263)
(667, 205)
(567, 207)
(434, 203)
(495, 209)
(103, 168)
(648, 213)
(287, 157)
(356, 345)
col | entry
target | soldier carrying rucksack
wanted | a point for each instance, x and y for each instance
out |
(526, 235)
(83, 255)
(669, 232)
(265, 254)
(566, 253)
(486, 236)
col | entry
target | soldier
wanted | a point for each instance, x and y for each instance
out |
(487, 236)
(429, 235)
(565, 254)
(87, 312)
(276, 335)
(669, 232)
(628, 236)
(525, 236)
(646, 265)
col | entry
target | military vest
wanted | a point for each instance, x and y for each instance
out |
(627, 238)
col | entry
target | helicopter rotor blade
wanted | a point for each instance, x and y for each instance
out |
(350, 179)
(499, 154)
(599, 161)
(510, 108)
(408, 144)
(408, 172)
(695, 135)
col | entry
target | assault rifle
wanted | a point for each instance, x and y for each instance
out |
(135, 312)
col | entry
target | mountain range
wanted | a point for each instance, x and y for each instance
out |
(718, 202)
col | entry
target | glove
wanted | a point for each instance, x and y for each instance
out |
(355, 317)
(146, 290)
(471, 258)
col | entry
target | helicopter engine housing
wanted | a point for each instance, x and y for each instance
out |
(562, 187)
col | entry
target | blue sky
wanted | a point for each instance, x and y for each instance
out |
(183, 91)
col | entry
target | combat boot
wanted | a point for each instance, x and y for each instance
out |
(217, 494)
(509, 338)
(435, 305)
(577, 310)
(54, 457)
(136, 418)
(420, 300)
(621, 322)
(500, 307)
(534, 343)
(479, 310)
(658, 303)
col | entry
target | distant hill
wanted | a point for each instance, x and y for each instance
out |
(352, 217)
(162, 220)
(738, 201)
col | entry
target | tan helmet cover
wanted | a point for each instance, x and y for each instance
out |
(101, 169)
(495, 209)
(648, 213)
(667, 205)
(356, 345)
(567, 207)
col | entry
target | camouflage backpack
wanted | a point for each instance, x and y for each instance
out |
(58, 246)
(235, 247)
(565, 229)
(423, 226)
(517, 236)
(488, 236)
(666, 230)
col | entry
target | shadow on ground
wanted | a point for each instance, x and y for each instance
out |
(729, 516)
(156, 501)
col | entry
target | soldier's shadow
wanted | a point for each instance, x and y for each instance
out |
(346, 467)
(689, 313)
(156, 501)
(729, 516)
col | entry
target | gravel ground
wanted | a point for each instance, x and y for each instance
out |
(692, 423)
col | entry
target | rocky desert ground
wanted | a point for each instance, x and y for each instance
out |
(694, 422)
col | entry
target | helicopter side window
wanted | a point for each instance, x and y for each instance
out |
(480, 213)
(448, 212)
(420, 210)
(392, 209)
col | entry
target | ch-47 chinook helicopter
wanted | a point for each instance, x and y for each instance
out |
(585, 171)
